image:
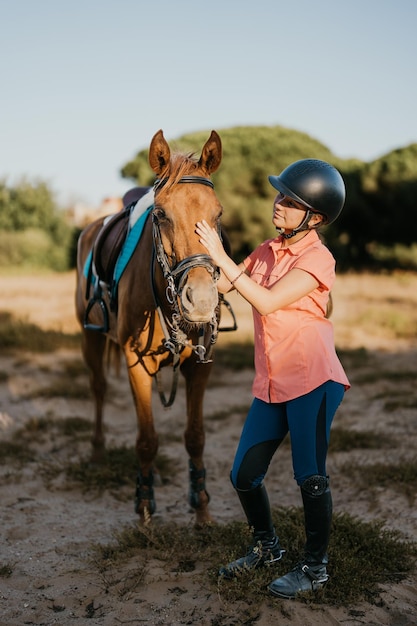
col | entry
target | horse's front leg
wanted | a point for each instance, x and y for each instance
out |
(196, 377)
(147, 438)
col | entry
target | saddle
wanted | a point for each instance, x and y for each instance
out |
(113, 234)
(109, 243)
(104, 255)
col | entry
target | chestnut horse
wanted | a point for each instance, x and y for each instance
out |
(167, 311)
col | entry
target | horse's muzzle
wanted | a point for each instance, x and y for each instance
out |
(199, 300)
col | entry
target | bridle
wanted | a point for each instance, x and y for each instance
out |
(176, 276)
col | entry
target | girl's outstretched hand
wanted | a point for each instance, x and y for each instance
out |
(212, 242)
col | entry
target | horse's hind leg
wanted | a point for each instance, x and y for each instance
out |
(93, 347)
(196, 376)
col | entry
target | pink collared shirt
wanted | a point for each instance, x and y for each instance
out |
(294, 346)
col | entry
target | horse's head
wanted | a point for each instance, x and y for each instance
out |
(184, 195)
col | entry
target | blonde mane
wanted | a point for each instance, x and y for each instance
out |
(180, 165)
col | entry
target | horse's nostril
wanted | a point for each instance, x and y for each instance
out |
(189, 295)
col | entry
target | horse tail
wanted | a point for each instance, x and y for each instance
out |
(112, 356)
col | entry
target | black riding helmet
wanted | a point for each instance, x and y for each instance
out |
(316, 184)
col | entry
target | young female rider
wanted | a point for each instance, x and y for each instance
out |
(299, 381)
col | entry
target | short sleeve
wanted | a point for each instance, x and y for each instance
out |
(320, 263)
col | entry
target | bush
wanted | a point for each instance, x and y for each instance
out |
(33, 231)
(33, 248)
(376, 191)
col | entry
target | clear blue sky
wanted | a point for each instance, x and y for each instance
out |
(85, 84)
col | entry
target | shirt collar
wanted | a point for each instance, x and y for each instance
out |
(294, 249)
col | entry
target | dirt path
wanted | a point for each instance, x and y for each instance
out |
(47, 530)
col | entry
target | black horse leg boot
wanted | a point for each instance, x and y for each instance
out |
(311, 573)
(266, 549)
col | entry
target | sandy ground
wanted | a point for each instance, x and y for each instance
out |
(47, 531)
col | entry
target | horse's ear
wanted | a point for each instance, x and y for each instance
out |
(211, 154)
(159, 153)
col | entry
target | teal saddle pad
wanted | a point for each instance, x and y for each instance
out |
(128, 248)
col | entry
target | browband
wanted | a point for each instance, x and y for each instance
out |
(186, 179)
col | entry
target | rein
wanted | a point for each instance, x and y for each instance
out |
(176, 276)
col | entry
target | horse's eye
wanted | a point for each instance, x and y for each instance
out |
(159, 215)
(217, 222)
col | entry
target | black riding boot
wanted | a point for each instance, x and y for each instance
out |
(310, 574)
(266, 549)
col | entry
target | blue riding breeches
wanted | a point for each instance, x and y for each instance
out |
(308, 420)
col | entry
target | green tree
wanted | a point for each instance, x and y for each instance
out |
(33, 231)
(250, 154)
(380, 208)
(27, 205)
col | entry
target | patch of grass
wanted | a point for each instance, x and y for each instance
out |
(6, 570)
(15, 452)
(21, 335)
(399, 324)
(74, 426)
(118, 469)
(400, 403)
(63, 388)
(401, 476)
(363, 556)
(37, 427)
(355, 359)
(394, 376)
(343, 440)
(19, 451)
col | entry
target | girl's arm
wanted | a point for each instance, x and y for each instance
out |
(293, 286)
(224, 284)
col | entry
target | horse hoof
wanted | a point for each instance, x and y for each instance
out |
(145, 508)
(198, 498)
(146, 517)
(204, 521)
